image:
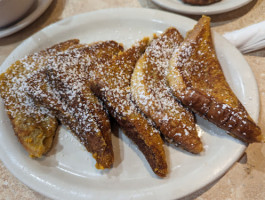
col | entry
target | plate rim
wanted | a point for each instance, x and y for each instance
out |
(113, 10)
(198, 10)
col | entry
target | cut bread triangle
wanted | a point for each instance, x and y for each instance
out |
(111, 83)
(153, 96)
(197, 80)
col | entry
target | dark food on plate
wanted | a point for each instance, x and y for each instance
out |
(200, 2)
(153, 96)
(111, 82)
(196, 78)
(62, 87)
(34, 125)
(78, 84)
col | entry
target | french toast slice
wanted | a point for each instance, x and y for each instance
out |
(197, 79)
(111, 82)
(200, 2)
(63, 88)
(34, 126)
(153, 96)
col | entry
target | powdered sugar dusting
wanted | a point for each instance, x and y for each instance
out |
(62, 86)
(153, 95)
(111, 81)
(13, 83)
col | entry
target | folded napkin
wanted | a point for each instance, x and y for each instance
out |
(248, 39)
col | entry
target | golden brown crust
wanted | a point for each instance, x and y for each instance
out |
(34, 126)
(153, 96)
(197, 79)
(111, 82)
(63, 88)
(200, 2)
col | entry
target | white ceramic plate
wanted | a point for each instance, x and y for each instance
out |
(39, 7)
(216, 8)
(68, 171)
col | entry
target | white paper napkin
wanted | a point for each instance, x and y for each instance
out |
(248, 39)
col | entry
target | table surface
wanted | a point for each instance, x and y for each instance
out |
(246, 178)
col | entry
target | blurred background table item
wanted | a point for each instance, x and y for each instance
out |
(246, 178)
(18, 9)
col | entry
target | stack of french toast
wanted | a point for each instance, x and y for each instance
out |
(152, 90)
